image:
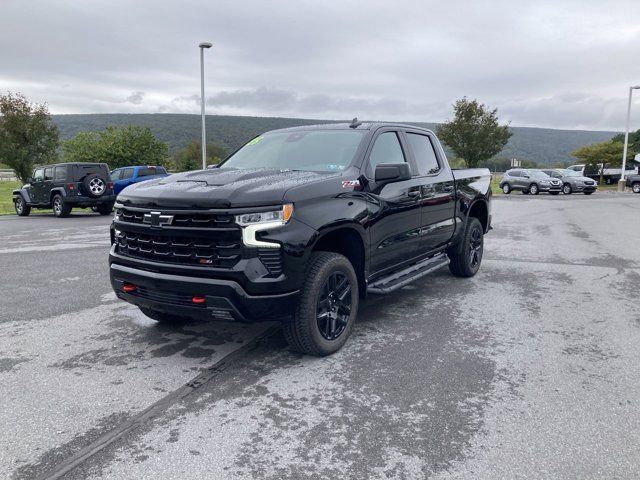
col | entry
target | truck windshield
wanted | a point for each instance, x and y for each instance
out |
(319, 150)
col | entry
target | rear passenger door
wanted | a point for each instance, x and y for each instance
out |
(394, 231)
(437, 204)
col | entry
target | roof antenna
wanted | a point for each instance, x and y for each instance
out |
(355, 123)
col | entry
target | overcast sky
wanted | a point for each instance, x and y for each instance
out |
(559, 63)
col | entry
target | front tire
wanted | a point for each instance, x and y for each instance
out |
(466, 257)
(60, 208)
(22, 209)
(635, 187)
(327, 308)
(566, 189)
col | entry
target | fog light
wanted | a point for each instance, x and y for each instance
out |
(129, 288)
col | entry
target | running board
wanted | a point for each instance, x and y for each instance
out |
(403, 277)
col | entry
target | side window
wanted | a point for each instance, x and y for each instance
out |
(127, 173)
(60, 173)
(116, 174)
(514, 173)
(48, 173)
(146, 172)
(38, 175)
(424, 153)
(387, 149)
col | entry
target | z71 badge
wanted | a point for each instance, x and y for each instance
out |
(350, 183)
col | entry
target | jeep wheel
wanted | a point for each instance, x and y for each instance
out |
(466, 257)
(327, 308)
(566, 189)
(162, 317)
(506, 189)
(533, 189)
(104, 208)
(636, 187)
(94, 186)
(22, 209)
(60, 209)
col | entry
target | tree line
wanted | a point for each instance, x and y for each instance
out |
(28, 137)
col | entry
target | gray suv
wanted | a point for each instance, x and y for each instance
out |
(529, 181)
(573, 181)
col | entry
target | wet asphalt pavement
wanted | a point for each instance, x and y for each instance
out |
(529, 370)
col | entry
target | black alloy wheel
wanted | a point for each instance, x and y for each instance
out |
(334, 306)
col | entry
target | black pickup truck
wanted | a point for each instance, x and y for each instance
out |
(299, 225)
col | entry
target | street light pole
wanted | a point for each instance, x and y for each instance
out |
(621, 182)
(202, 46)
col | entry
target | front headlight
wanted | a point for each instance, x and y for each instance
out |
(252, 223)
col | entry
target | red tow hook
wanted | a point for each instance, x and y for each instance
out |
(129, 288)
(199, 299)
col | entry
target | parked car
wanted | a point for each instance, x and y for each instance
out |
(125, 176)
(609, 175)
(299, 225)
(64, 186)
(529, 181)
(573, 181)
(633, 181)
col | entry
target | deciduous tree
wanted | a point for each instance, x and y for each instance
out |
(27, 135)
(474, 134)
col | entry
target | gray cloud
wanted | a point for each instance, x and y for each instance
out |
(136, 98)
(545, 63)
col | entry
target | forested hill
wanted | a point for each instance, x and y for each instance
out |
(541, 145)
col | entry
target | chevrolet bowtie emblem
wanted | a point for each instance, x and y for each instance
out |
(156, 219)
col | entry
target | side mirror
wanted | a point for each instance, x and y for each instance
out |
(392, 172)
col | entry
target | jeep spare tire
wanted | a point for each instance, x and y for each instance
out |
(94, 186)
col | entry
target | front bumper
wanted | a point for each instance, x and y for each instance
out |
(550, 188)
(225, 299)
(584, 188)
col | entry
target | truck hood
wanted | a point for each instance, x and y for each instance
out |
(219, 188)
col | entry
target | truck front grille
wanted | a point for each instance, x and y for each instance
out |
(193, 220)
(223, 250)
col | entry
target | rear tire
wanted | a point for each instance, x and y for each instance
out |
(60, 209)
(506, 189)
(534, 189)
(327, 308)
(466, 257)
(566, 189)
(22, 209)
(164, 318)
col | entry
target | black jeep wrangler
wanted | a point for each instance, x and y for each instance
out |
(64, 186)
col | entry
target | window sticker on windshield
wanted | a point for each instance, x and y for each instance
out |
(254, 141)
(350, 183)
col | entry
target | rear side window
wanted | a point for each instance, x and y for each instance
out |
(387, 149)
(48, 173)
(60, 173)
(127, 173)
(148, 171)
(424, 153)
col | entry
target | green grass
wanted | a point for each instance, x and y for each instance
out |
(6, 199)
(495, 185)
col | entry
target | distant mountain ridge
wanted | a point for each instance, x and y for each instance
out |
(545, 146)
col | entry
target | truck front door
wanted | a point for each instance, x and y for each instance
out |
(394, 210)
(37, 186)
(437, 222)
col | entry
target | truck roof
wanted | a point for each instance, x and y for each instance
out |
(347, 126)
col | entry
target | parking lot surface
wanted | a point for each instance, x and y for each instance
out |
(528, 370)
